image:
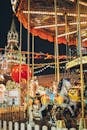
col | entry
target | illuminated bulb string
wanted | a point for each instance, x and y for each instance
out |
(46, 67)
(43, 69)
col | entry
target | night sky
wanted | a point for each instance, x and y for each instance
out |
(5, 20)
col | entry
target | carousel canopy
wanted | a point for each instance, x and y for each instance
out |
(42, 17)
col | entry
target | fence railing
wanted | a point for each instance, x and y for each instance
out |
(4, 125)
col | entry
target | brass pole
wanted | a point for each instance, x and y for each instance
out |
(66, 32)
(28, 58)
(56, 46)
(28, 38)
(20, 58)
(32, 55)
(81, 65)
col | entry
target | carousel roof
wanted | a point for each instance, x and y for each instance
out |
(46, 15)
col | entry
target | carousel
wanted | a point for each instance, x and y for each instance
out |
(59, 22)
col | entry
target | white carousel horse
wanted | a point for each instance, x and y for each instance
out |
(64, 87)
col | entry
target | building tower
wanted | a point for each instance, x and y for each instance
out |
(12, 38)
(12, 53)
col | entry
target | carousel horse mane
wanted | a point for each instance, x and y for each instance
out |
(64, 82)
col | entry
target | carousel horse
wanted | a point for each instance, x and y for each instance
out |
(63, 88)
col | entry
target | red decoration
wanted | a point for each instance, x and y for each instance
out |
(22, 71)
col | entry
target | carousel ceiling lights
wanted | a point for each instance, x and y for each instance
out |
(42, 18)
